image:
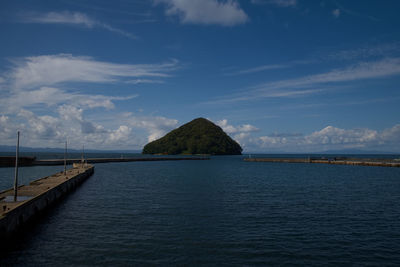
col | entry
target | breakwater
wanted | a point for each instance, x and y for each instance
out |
(32, 161)
(36, 197)
(9, 161)
(337, 161)
(46, 162)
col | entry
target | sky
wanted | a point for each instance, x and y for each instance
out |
(278, 76)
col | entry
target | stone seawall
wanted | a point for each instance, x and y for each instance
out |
(353, 161)
(36, 197)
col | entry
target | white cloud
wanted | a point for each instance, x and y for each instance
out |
(71, 124)
(72, 114)
(45, 97)
(240, 133)
(54, 69)
(121, 134)
(279, 3)
(6, 130)
(30, 91)
(336, 12)
(332, 138)
(241, 138)
(225, 13)
(3, 119)
(230, 129)
(52, 131)
(72, 18)
(95, 101)
(42, 127)
(247, 128)
(333, 135)
(391, 135)
(157, 127)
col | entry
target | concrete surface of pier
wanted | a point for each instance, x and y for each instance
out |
(36, 197)
(341, 161)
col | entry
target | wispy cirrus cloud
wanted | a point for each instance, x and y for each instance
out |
(268, 67)
(261, 93)
(71, 18)
(362, 70)
(49, 70)
(365, 52)
(341, 9)
(206, 12)
(313, 83)
(369, 51)
(336, 12)
(257, 69)
(144, 81)
(279, 3)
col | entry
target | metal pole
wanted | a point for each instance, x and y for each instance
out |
(16, 169)
(65, 158)
(83, 158)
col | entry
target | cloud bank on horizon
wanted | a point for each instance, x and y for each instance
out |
(119, 75)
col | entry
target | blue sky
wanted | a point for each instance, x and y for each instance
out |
(276, 75)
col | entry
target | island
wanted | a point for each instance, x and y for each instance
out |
(200, 136)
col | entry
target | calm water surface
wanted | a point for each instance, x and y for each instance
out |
(218, 212)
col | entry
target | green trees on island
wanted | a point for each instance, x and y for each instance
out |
(199, 136)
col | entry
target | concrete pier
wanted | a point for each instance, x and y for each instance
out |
(36, 197)
(341, 161)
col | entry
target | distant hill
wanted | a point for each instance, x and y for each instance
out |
(199, 136)
(4, 148)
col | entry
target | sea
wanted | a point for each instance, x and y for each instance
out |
(218, 212)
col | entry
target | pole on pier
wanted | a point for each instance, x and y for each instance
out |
(83, 149)
(16, 169)
(65, 158)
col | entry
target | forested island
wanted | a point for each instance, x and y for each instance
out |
(200, 136)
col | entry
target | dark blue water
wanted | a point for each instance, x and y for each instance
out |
(221, 212)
